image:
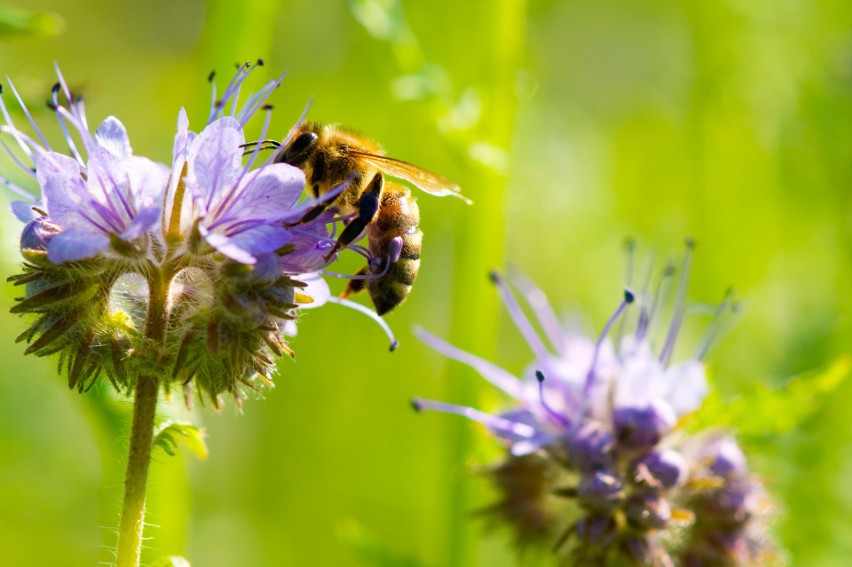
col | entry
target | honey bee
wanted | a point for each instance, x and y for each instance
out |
(330, 155)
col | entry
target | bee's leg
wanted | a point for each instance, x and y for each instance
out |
(368, 206)
(312, 213)
(357, 285)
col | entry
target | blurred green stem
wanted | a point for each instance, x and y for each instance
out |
(480, 243)
(141, 436)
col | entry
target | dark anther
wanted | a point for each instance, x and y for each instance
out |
(260, 62)
(415, 404)
(539, 375)
(210, 76)
(266, 107)
(52, 106)
(55, 88)
(628, 295)
(494, 276)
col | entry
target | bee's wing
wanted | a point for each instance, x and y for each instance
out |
(430, 182)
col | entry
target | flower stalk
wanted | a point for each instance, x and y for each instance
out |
(132, 522)
(183, 277)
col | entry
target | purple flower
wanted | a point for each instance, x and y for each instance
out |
(626, 388)
(601, 418)
(216, 233)
(103, 192)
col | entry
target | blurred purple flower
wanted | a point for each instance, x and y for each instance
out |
(601, 417)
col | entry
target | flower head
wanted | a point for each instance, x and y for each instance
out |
(615, 475)
(190, 270)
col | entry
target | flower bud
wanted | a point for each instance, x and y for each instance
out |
(641, 428)
(647, 511)
(600, 491)
(663, 469)
(591, 448)
(596, 531)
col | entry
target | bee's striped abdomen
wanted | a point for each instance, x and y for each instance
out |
(398, 217)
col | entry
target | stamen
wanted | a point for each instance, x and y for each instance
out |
(10, 127)
(357, 248)
(17, 160)
(717, 324)
(590, 376)
(213, 105)
(371, 314)
(17, 189)
(559, 418)
(234, 194)
(62, 82)
(647, 315)
(520, 318)
(677, 318)
(491, 372)
(77, 119)
(537, 300)
(28, 115)
(235, 95)
(64, 128)
(491, 421)
(289, 137)
(629, 253)
(259, 99)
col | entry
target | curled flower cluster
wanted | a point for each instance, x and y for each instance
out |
(192, 271)
(598, 467)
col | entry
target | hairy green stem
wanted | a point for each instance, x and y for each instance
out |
(141, 437)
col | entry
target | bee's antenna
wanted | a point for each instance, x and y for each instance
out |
(264, 145)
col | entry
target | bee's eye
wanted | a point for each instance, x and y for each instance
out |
(299, 149)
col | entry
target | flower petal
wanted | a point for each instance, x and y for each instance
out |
(317, 290)
(147, 180)
(227, 247)
(23, 211)
(688, 386)
(215, 160)
(76, 244)
(267, 193)
(141, 223)
(63, 187)
(111, 135)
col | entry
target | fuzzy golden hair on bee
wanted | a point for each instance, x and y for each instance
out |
(386, 212)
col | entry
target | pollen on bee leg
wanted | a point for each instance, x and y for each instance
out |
(395, 249)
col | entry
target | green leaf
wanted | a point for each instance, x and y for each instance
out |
(15, 22)
(764, 412)
(170, 435)
(171, 561)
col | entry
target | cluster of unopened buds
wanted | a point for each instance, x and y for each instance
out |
(601, 466)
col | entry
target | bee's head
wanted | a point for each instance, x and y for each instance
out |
(301, 147)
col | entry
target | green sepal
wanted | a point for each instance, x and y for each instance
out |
(170, 435)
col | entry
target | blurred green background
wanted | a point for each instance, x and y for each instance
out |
(573, 125)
